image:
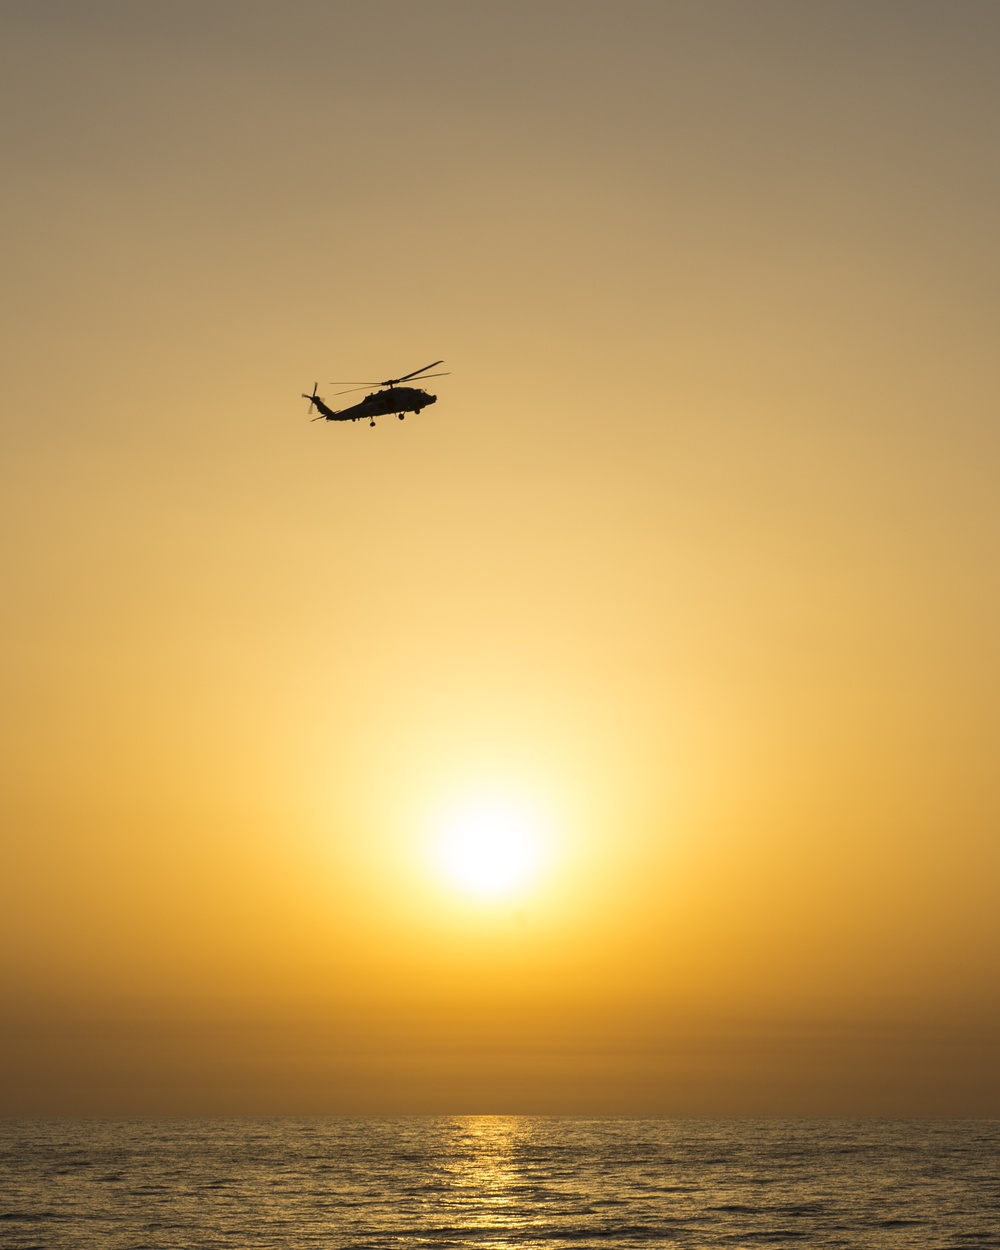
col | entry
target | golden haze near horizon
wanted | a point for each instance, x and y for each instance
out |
(686, 586)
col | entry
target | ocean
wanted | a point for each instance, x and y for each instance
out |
(498, 1182)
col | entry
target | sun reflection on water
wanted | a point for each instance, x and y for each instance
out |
(487, 1181)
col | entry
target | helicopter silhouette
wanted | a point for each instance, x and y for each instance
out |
(393, 398)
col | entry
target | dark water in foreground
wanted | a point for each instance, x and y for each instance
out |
(498, 1182)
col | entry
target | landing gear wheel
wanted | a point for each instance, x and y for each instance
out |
(401, 415)
(372, 423)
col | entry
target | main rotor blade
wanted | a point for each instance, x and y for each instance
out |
(351, 390)
(406, 376)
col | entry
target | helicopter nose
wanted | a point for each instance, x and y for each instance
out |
(432, 399)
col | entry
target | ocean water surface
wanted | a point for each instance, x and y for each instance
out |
(497, 1182)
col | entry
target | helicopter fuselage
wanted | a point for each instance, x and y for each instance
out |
(397, 399)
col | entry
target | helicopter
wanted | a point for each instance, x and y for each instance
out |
(393, 398)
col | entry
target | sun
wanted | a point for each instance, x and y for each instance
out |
(491, 846)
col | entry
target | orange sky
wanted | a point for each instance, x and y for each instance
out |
(694, 558)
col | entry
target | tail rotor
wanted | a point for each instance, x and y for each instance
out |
(312, 401)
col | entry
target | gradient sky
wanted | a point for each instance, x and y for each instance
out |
(695, 558)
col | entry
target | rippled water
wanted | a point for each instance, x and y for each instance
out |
(497, 1182)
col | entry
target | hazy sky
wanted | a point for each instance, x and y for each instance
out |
(690, 573)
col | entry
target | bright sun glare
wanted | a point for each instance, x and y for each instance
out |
(491, 846)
